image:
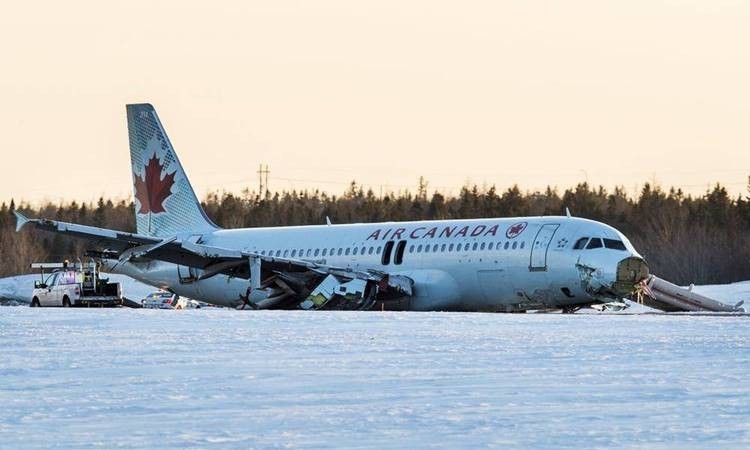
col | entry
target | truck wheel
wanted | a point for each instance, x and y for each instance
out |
(66, 302)
(35, 302)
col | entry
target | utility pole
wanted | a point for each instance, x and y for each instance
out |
(263, 180)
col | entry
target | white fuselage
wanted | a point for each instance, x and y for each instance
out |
(508, 264)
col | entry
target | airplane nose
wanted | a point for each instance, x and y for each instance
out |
(630, 271)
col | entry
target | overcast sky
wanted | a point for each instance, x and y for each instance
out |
(496, 92)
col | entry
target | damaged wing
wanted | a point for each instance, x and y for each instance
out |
(103, 237)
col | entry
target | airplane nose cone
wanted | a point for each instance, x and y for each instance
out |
(630, 271)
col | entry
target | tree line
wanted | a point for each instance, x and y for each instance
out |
(685, 239)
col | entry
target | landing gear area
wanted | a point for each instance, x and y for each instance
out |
(309, 292)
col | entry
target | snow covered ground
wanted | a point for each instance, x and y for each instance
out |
(122, 378)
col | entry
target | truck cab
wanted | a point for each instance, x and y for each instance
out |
(60, 288)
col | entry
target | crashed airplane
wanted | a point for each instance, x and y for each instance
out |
(501, 264)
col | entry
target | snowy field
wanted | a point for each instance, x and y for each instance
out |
(122, 378)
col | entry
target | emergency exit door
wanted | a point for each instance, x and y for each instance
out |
(540, 246)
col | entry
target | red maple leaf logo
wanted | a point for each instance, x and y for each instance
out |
(515, 230)
(151, 190)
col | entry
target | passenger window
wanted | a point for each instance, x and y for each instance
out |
(354, 252)
(339, 252)
(466, 247)
(481, 247)
(371, 250)
(317, 251)
(523, 244)
(580, 243)
(411, 248)
(294, 253)
(515, 244)
(442, 248)
(507, 244)
(594, 243)
(378, 250)
(325, 251)
(286, 252)
(474, 247)
(489, 247)
(347, 251)
(434, 248)
(419, 248)
(614, 244)
(309, 252)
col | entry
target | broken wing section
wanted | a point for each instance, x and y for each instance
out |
(291, 283)
(111, 239)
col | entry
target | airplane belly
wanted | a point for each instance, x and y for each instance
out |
(434, 290)
(219, 290)
(497, 289)
(520, 289)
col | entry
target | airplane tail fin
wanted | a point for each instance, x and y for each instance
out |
(165, 203)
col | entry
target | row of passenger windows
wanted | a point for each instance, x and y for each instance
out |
(591, 243)
(308, 253)
(474, 247)
(301, 253)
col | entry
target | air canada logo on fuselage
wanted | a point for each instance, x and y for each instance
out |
(515, 230)
(434, 232)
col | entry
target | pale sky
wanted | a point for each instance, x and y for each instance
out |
(497, 92)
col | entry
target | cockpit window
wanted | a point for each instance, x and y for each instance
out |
(614, 244)
(581, 243)
(594, 243)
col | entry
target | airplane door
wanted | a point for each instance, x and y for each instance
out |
(538, 258)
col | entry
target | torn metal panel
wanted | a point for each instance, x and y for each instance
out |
(680, 299)
(255, 274)
(322, 293)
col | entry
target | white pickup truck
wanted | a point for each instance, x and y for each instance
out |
(77, 286)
